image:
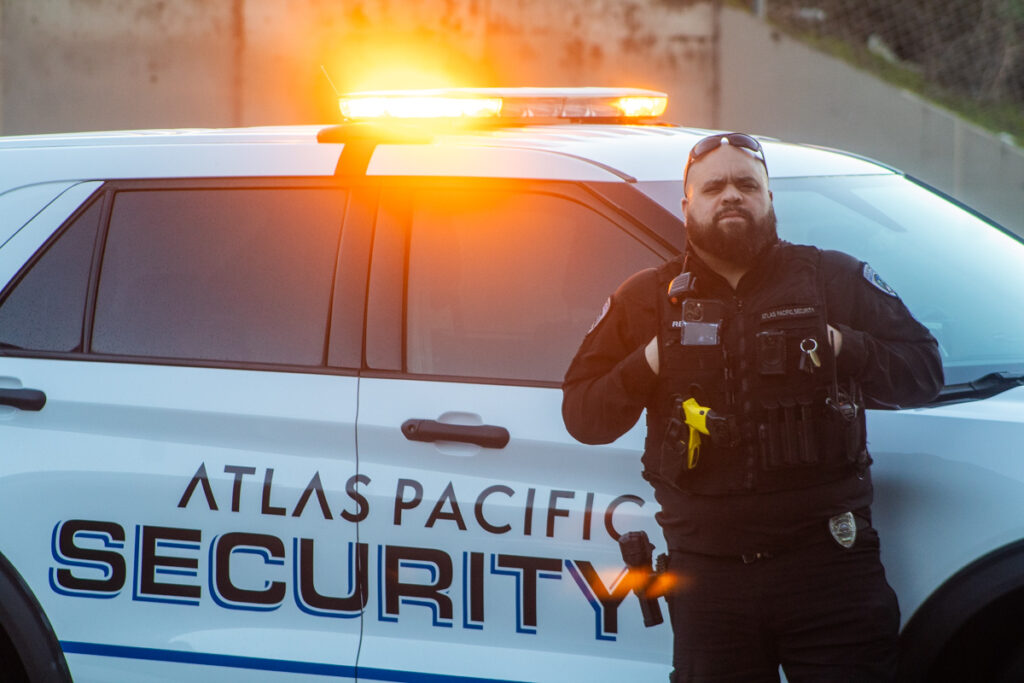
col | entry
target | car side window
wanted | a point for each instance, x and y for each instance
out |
(235, 275)
(504, 285)
(46, 308)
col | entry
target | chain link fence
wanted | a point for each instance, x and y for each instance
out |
(967, 54)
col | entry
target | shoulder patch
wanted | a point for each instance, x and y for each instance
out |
(872, 276)
(604, 312)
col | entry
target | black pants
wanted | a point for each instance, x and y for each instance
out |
(825, 613)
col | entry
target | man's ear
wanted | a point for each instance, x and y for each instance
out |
(684, 202)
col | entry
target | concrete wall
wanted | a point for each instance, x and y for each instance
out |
(94, 64)
(777, 86)
(88, 64)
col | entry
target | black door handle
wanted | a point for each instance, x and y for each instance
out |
(487, 436)
(23, 399)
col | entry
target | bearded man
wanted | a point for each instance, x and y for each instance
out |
(755, 360)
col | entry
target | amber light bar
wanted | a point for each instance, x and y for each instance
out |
(504, 104)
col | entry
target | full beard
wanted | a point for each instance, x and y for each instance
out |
(738, 246)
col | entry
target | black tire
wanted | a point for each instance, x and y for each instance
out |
(969, 628)
(29, 651)
(1012, 669)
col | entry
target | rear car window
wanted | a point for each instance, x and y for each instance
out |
(239, 275)
(45, 311)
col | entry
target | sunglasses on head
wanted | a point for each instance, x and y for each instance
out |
(707, 145)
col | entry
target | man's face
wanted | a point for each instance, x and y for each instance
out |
(728, 206)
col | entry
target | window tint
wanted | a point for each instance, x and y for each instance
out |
(45, 310)
(238, 275)
(959, 276)
(505, 285)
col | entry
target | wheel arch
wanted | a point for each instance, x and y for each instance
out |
(28, 630)
(965, 615)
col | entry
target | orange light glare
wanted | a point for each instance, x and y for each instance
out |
(641, 106)
(668, 582)
(372, 106)
(508, 104)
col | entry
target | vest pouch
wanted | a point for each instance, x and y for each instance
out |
(673, 468)
(807, 431)
(673, 450)
(664, 457)
(846, 426)
(769, 439)
(789, 352)
(788, 433)
(660, 462)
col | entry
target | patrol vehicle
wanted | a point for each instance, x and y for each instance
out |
(283, 404)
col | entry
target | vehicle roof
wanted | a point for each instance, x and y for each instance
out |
(582, 152)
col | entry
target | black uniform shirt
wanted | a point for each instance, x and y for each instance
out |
(609, 383)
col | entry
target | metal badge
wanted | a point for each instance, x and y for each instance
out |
(844, 529)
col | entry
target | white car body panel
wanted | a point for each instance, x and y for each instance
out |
(540, 458)
(121, 443)
(949, 488)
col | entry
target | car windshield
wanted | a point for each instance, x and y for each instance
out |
(960, 275)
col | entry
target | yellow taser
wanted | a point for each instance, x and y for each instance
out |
(696, 420)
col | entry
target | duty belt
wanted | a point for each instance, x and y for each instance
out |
(842, 529)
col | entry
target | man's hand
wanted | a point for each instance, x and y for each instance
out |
(651, 354)
(835, 338)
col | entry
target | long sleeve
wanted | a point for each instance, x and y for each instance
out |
(609, 381)
(894, 358)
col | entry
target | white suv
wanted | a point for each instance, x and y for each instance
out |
(284, 404)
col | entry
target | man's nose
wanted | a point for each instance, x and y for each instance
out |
(732, 195)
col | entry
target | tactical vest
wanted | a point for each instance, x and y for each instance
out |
(764, 365)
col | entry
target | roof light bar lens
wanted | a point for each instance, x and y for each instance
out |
(420, 106)
(505, 103)
(641, 106)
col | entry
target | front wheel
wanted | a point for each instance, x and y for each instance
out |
(29, 651)
(1012, 669)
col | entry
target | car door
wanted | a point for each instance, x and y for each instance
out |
(181, 494)
(491, 533)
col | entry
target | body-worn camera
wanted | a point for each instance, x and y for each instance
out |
(771, 352)
(701, 318)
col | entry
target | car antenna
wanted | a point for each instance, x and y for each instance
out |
(329, 81)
